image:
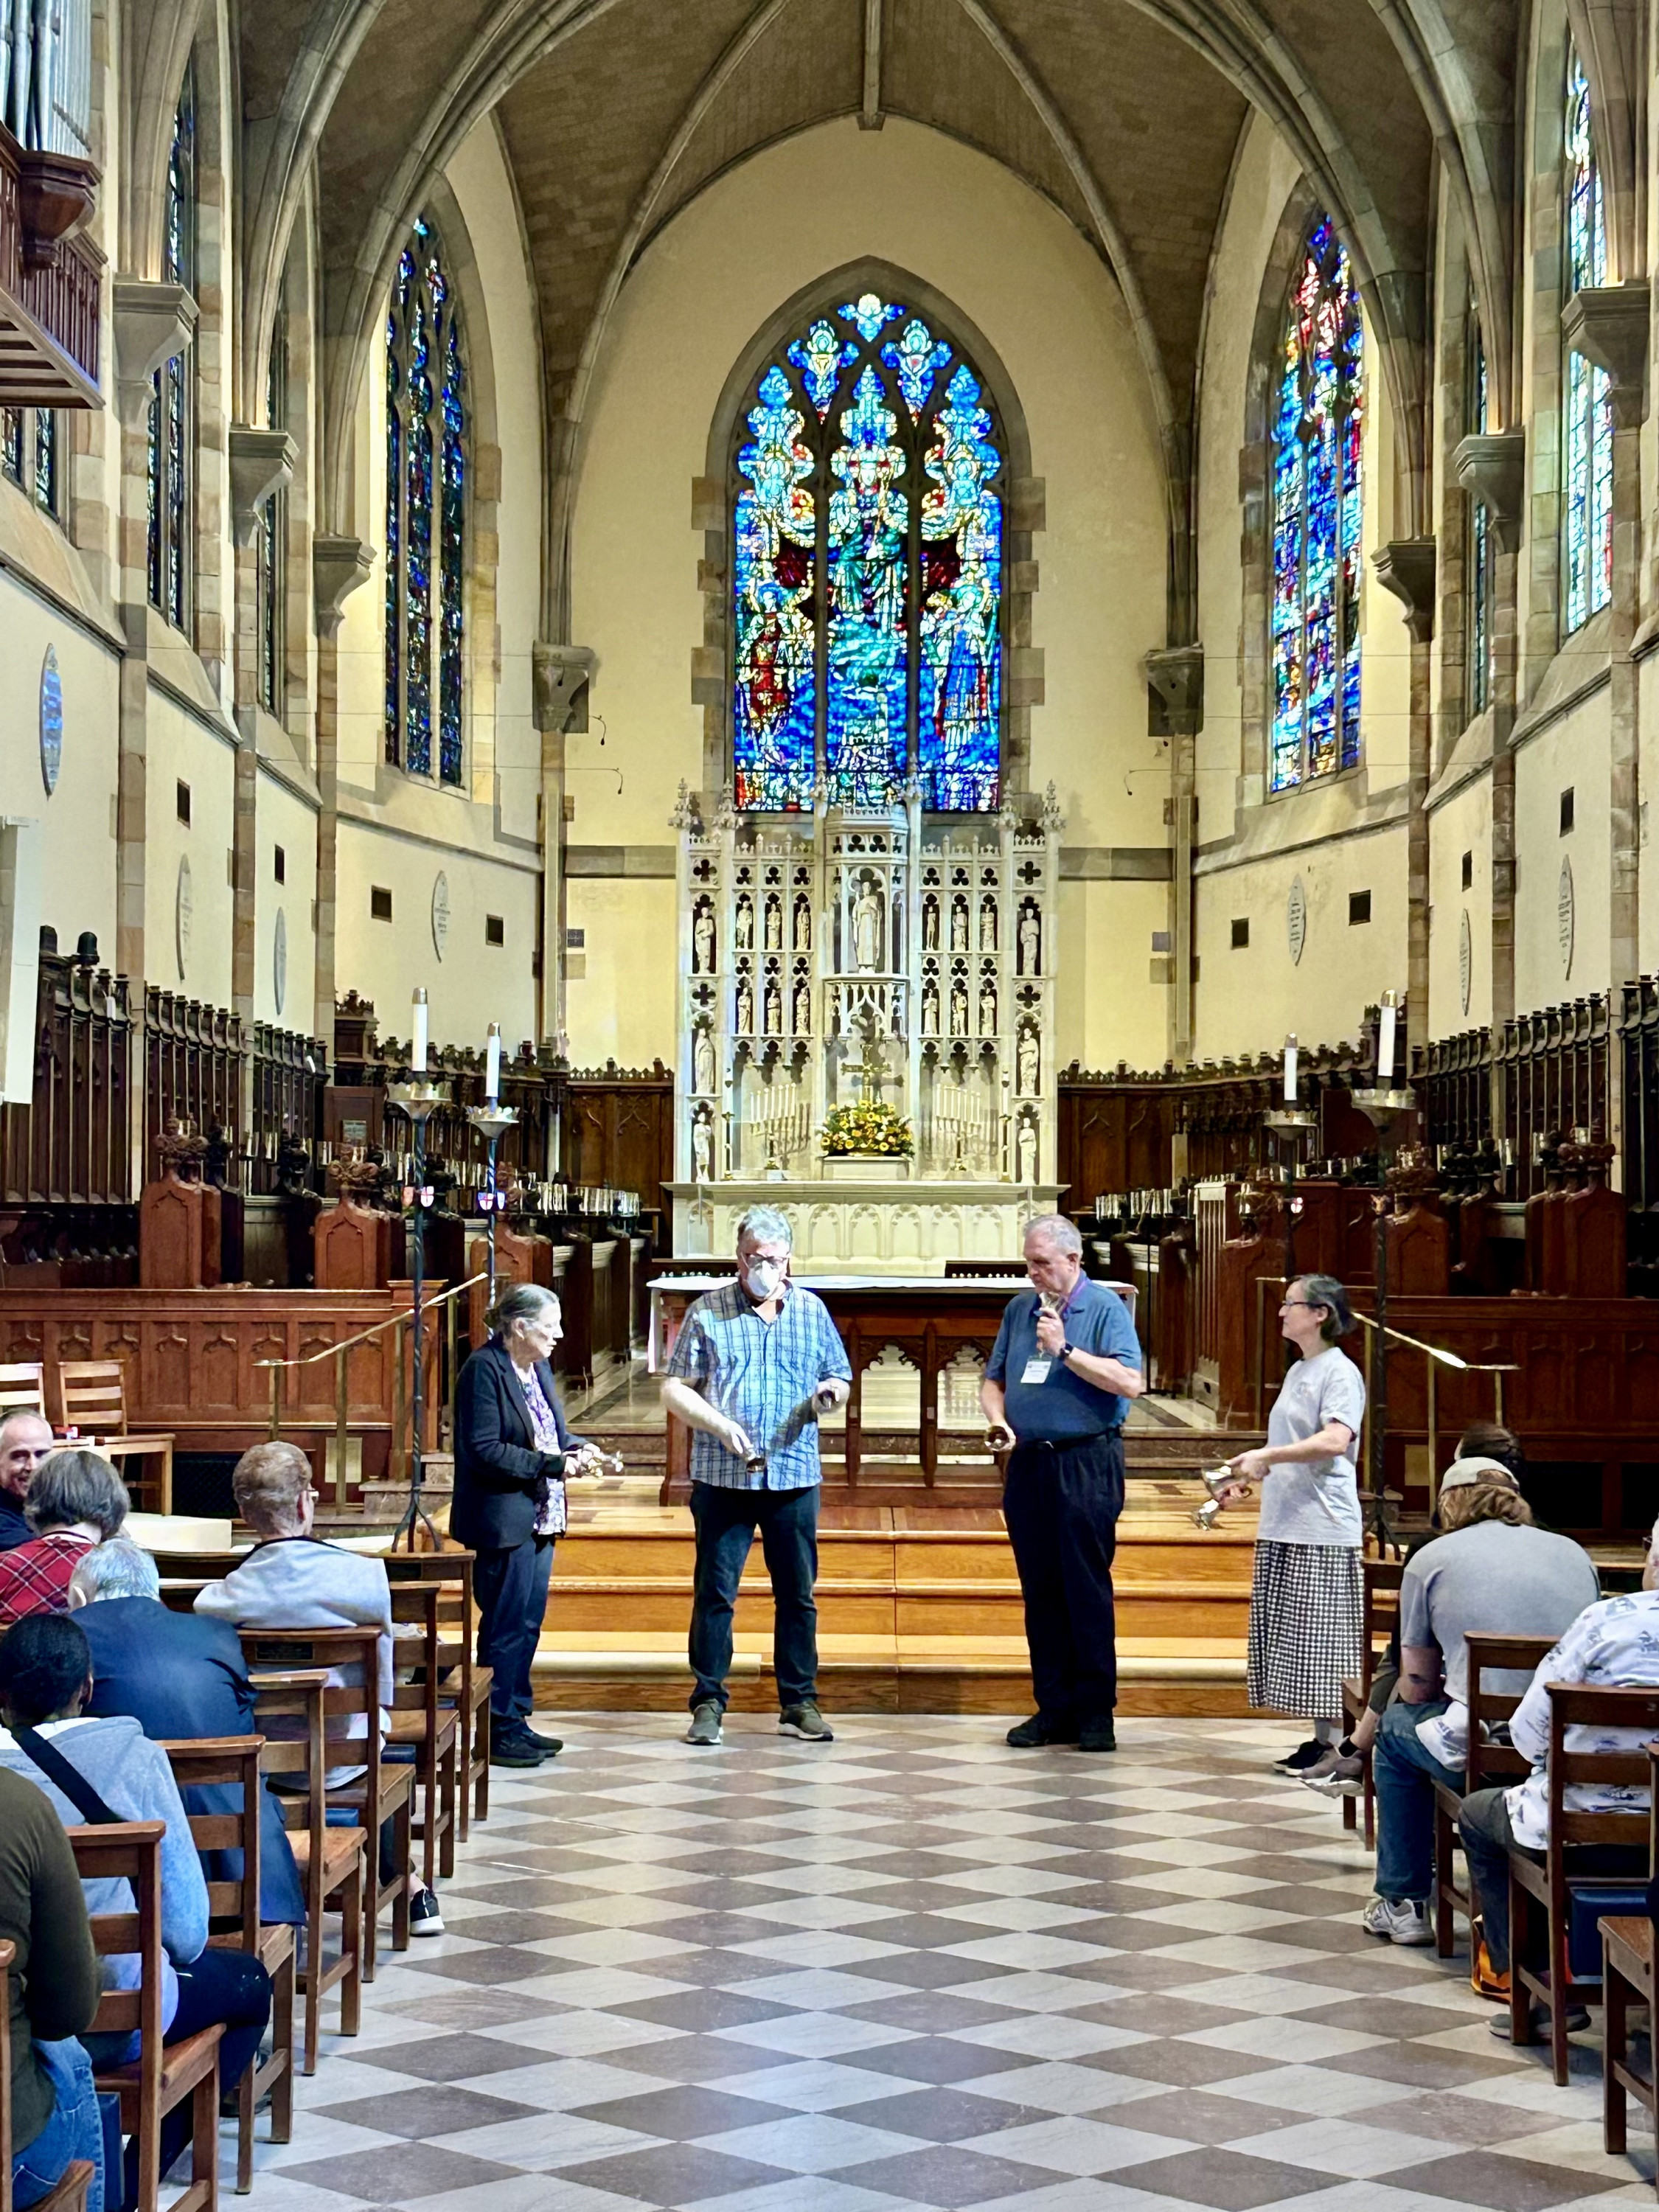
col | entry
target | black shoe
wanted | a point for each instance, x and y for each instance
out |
(1030, 1735)
(1305, 1756)
(550, 1746)
(424, 1917)
(514, 1746)
(1097, 1735)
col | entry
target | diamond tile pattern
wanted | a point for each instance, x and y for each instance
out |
(915, 1970)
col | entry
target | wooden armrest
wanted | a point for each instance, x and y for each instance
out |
(301, 1678)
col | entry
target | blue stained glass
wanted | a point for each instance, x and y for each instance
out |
(868, 314)
(1588, 396)
(821, 357)
(868, 635)
(453, 527)
(916, 358)
(1318, 509)
(773, 580)
(418, 576)
(394, 566)
(959, 717)
(11, 443)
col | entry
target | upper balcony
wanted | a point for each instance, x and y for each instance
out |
(51, 279)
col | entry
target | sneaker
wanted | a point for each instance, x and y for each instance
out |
(1398, 1920)
(806, 1721)
(1337, 1777)
(513, 1746)
(1502, 2027)
(1098, 1735)
(424, 1917)
(1305, 1756)
(549, 1747)
(1030, 1735)
(706, 1720)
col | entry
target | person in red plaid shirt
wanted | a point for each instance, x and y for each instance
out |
(76, 1500)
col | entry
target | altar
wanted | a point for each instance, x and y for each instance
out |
(859, 1226)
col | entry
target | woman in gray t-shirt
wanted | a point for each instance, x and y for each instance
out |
(1305, 1596)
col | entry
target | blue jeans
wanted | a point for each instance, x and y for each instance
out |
(76, 2129)
(725, 1523)
(1404, 1773)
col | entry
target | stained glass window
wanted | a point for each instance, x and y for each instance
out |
(1482, 549)
(270, 550)
(1589, 410)
(1318, 492)
(868, 570)
(171, 395)
(425, 514)
(46, 459)
(11, 443)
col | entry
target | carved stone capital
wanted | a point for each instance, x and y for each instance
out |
(1175, 679)
(153, 321)
(1405, 567)
(561, 675)
(1608, 325)
(1491, 466)
(261, 462)
(338, 565)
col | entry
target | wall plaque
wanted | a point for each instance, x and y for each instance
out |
(279, 962)
(182, 907)
(1296, 920)
(440, 913)
(1465, 959)
(1564, 916)
(52, 721)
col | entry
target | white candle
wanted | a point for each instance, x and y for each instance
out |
(417, 1050)
(1385, 1042)
(493, 1064)
(1290, 1069)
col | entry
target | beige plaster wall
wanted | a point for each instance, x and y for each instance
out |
(714, 276)
(1105, 1010)
(284, 819)
(1572, 752)
(621, 1006)
(1462, 825)
(183, 747)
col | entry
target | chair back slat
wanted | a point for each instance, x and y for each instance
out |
(23, 1387)
(129, 1851)
(209, 1762)
(1625, 1765)
(92, 1393)
(1379, 1609)
(1488, 1656)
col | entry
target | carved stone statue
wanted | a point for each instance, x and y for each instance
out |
(930, 1007)
(702, 942)
(867, 930)
(803, 1003)
(772, 1006)
(803, 923)
(1025, 1152)
(746, 1009)
(774, 926)
(743, 926)
(930, 924)
(959, 926)
(987, 1008)
(702, 1062)
(700, 1147)
(1027, 1063)
(958, 1008)
(1030, 943)
(987, 926)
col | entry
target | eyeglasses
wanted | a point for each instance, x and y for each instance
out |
(1313, 1305)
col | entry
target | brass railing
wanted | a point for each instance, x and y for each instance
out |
(338, 1353)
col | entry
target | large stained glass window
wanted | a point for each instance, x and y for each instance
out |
(867, 571)
(1588, 410)
(171, 400)
(426, 460)
(1317, 505)
(1482, 549)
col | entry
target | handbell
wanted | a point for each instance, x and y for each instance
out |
(1215, 1481)
(1206, 1515)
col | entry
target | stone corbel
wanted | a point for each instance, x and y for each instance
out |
(1406, 567)
(1491, 466)
(153, 321)
(561, 677)
(1174, 684)
(338, 565)
(261, 462)
(1608, 325)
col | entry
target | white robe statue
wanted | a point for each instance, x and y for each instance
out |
(702, 1063)
(866, 931)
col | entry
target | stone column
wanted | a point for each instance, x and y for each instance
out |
(261, 461)
(1406, 567)
(561, 675)
(338, 565)
(1174, 681)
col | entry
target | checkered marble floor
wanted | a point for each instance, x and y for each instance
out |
(915, 1970)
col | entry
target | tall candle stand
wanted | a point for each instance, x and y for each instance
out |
(492, 1120)
(418, 1099)
(1386, 1110)
(1289, 1125)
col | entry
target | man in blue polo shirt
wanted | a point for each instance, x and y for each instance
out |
(1057, 1386)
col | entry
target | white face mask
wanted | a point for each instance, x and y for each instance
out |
(762, 1278)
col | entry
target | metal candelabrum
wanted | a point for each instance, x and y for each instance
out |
(1386, 1110)
(418, 1100)
(492, 1122)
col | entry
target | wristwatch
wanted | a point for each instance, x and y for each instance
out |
(1066, 1352)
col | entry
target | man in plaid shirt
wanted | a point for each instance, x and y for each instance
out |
(755, 1364)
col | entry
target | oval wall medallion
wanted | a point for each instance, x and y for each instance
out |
(279, 962)
(182, 909)
(52, 721)
(1296, 920)
(1465, 959)
(1564, 916)
(440, 913)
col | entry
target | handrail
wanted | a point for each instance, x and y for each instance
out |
(338, 1353)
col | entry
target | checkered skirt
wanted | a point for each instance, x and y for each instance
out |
(1305, 1627)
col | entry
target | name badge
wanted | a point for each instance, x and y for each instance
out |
(1037, 1370)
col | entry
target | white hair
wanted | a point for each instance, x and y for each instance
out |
(1062, 1234)
(115, 1569)
(766, 1226)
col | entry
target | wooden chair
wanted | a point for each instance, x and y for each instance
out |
(70, 2194)
(92, 1397)
(1379, 1617)
(383, 1790)
(162, 2075)
(1545, 1895)
(458, 1620)
(1627, 1979)
(427, 1724)
(330, 1859)
(1487, 1765)
(234, 1912)
(22, 1388)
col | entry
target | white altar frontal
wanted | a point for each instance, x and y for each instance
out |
(877, 955)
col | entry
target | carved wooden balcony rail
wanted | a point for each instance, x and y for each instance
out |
(51, 280)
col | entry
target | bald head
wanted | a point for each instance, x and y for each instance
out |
(25, 1440)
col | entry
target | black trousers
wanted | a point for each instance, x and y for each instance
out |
(1062, 1509)
(510, 1583)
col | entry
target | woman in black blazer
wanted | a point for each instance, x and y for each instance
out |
(512, 1451)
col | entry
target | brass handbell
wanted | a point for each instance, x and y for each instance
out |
(1215, 1479)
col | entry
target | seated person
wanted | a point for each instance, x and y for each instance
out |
(179, 1675)
(54, 1989)
(25, 1440)
(101, 1769)
(1614, 1645)
(1490, 1572)
(293, 1579)
(76, 1499)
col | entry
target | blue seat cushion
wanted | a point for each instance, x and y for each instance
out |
(1586, 1904)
